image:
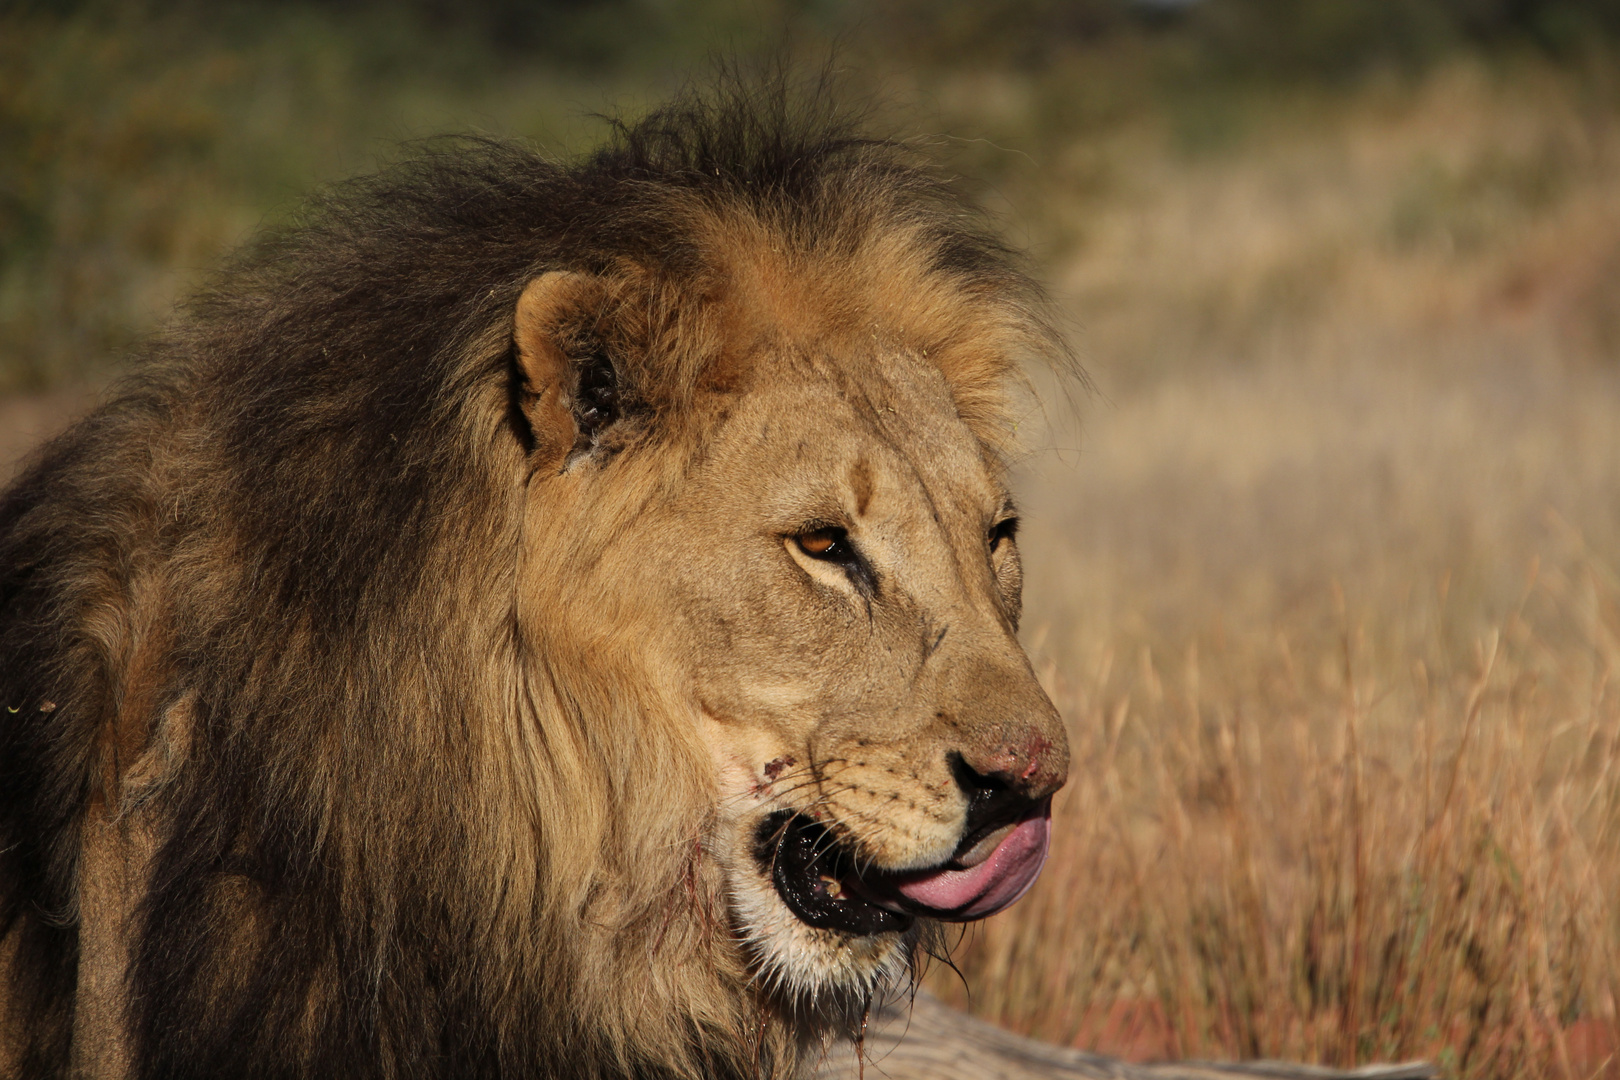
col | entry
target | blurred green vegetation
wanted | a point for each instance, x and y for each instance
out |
(138, 141)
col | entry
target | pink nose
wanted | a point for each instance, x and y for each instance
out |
(1031, 764)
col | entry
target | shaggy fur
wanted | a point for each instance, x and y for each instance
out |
(330, 745)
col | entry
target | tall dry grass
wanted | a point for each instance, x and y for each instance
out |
(1292, 848)
(1325, 583)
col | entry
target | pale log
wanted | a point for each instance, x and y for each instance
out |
(928, 1040)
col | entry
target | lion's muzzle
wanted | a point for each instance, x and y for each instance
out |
(823, 879)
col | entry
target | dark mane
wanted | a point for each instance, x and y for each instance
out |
(271, 579)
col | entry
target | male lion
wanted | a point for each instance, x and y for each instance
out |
(530, 620)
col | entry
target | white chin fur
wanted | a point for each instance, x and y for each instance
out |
(808, 967)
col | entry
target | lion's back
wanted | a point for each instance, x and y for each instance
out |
(73, 526)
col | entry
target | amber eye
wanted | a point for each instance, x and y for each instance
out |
(831, 544)
(1002, 531)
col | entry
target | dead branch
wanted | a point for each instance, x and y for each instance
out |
(931, 1041)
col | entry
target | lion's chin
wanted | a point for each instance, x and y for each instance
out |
(839, 956)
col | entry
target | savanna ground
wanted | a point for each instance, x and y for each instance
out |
(1325, 567)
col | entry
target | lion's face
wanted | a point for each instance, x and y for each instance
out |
(827, 593)
(883, 749)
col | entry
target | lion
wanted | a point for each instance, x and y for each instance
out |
(531, 618)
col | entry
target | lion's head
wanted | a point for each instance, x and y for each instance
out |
(565, 622)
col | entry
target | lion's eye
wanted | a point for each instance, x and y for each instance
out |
(1002, 531)
(831, 544)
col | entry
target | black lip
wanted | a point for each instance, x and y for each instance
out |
(809, 869)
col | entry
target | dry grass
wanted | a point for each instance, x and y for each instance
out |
(1328, 594)
(1294, 848)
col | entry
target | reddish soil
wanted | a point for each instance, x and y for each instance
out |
(1138, 1031)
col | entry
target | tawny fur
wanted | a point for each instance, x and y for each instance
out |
(369, 712)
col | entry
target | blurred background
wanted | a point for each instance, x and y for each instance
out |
(1322, 564)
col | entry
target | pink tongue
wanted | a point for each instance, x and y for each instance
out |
(987, 888)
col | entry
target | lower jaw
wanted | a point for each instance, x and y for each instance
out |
(801, 967)
(819, 977)
(835, 975)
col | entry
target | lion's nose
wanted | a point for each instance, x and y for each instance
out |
(1007, 733)
(1032, 769)
(1006, 782)
(1029, 762)
(992, 801)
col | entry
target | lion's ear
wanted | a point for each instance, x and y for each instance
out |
(569, 388)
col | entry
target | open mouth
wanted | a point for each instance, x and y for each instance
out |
(821, 882)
